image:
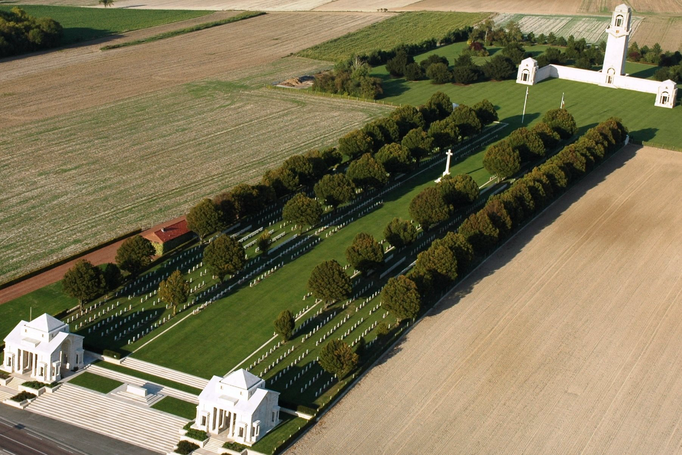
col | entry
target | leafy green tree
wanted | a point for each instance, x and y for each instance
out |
(561, 121)
(394, 158)
(418, 143)
(431, 59)
(134, 254)
(284, 325)
(301, 167)
(439, 73)
(466, 75)
(438, 107)
(401, 298)
(407, 118)
(499, 216)
(264, 242)
(458, 190)
(334, 189)
(527, 144)
(480, 232)
(355, 144)
(461, 249)
(397, 65)
(547, 135)
(515, 52)
(501, 160)
(466, 120)
(413, 72)
(174, 290)
(329, 282)
(224, 256)
(302, 210)
(337, 358)
(112, 276)
(499, 68)
(84, 282)
(400, 233)
(331, 157)
(439, 262)
(106, 3)
(205, 218)
(366, 172)
(389, 129)
(428, 208)
(283, 180)
(244, 199)
(444, 133)
(365, 253)
(225, 203)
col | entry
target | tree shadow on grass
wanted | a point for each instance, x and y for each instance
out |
(509, 250)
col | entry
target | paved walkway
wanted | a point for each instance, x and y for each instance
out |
(148, 428)
(163, 372)
(122, 377)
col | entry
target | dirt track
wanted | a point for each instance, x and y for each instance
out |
(57, 83)
(566, 341)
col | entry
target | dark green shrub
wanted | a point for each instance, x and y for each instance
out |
(196, 434)
(234, 446)
(21, 396)
(186, 447)
(34, 384)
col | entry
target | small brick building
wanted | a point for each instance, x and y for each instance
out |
(168, 237)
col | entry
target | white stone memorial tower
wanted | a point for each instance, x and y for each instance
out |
(617, 44)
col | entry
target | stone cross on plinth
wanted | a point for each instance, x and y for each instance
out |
(447, 165)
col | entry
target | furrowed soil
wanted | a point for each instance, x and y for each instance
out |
(546, 6)
(95, 144)
(567, 340)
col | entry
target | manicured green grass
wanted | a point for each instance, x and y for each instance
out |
(95, 382)
(405, 28)
(226, 332)
(180, 408)
(82, 24)
(149, 377)
(279, 434)
(183, 31)
(588, 103)
(49, 299)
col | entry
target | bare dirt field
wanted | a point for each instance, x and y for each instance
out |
(363, 5)
(56, 83)
(664, 30)
(545, 6)
(566, 341)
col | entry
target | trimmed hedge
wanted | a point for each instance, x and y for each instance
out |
(196, 434)
(34, 384)
(21, 396)
(186, 447)
(234, 446)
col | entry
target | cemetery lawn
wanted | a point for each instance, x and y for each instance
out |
(284, 430)
(226, 332)
(589, 104)
(149, 377)
(49, 299)
(83, 24)
(95, 382)
(405, 28)
(180, 408)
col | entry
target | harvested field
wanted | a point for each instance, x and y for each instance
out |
(71, 182)
(57, 83)
(565, 341)
(244, 5)
(664, 30)
(363, 5)
(545, 7)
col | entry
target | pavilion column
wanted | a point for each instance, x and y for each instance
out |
(234, 421)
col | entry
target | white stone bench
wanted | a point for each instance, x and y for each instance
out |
(136, 390)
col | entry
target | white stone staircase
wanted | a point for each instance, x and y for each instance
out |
(163, 372)
(148, 428)
(126, 378)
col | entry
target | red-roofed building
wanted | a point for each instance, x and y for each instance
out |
(168, 237)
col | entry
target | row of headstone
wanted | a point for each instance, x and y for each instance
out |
(351, 328)
(314, 242)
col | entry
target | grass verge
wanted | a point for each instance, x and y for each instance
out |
(149, 377)
(182, 31)
(95, 382)
(177, 407)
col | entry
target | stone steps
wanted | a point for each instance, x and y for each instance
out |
(163, 372)
(122, 377)
(143, 427)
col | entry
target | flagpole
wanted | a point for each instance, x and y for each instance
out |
(525, 100)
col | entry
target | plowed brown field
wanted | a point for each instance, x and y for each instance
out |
(566, 341)
(56, 83)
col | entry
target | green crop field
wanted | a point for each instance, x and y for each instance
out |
(82, 24)
(589, 104)
(406, 28)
